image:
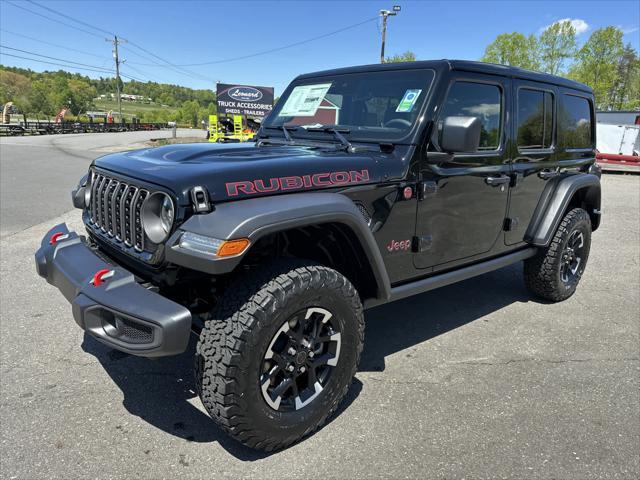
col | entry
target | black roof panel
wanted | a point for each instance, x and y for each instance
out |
(460, 65)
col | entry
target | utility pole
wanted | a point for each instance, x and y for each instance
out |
(386, 14)
(116, 42)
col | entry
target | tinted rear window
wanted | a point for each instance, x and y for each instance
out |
(535, 119)
(575, 126)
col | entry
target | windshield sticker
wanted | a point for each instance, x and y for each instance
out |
(304, 100)
(408, 101)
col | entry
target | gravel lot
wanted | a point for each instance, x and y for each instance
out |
(473, 380)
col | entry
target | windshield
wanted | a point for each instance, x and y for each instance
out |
(375, 106)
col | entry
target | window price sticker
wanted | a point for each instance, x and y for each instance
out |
(408, 101)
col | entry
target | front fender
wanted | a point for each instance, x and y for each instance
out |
(554, 202)
(257, 217)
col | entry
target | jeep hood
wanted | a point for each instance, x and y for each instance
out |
(234, 171)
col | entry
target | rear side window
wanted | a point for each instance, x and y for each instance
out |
(535, 119)
(470, 99)
(575, 126)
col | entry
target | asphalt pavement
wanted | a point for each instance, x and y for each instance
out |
(37, 173)
(474, 380)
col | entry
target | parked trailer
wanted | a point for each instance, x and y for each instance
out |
(53, 128)
(618, 147)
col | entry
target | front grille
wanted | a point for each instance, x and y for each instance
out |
(116, 209)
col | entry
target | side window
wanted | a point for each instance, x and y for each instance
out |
(535, 119)
(575, 126)
(469, 99)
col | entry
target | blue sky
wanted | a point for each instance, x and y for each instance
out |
(186, 32)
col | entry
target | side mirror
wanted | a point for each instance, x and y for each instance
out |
(460, 134)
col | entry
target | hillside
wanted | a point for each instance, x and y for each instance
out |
(43, 94)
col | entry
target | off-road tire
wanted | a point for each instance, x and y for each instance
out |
(233, 343)
(542, 273)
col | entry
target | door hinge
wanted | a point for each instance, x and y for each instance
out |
(516, 179)
(427, 188)
(510, 224)
(421, 243)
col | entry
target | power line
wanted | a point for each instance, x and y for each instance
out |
(168, 63)
(56, 64)
(141, 72)
(53, 19)
(71, 26)
(175, 68)
(277, 49)
(53, 58)
(111, 34)
(76, 65)
(52, 44)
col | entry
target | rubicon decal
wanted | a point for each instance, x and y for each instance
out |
(278, 184)
(399, 246)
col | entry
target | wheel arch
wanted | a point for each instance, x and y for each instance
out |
(305, 215)
(558, 197)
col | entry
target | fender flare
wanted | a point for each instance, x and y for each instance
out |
(256, 217)
(554, 202)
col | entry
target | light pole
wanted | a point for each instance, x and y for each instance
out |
(385, 14)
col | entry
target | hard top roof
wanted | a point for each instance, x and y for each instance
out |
(459, 65)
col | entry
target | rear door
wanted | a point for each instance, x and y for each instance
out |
(462, 212)
(534, 160)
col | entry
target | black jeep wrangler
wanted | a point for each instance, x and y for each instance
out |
(363, 186)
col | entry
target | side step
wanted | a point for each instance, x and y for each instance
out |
(454, 276)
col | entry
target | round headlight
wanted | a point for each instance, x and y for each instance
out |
(158, 214)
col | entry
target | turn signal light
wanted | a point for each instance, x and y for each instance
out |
(233, 247)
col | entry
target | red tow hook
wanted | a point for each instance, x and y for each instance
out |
(56, 237)
(100, 276)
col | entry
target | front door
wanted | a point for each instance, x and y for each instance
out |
(462, 211)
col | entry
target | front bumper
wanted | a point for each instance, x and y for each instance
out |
(118, 311)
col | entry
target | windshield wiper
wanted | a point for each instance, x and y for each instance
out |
(284, 129)
(337, 133)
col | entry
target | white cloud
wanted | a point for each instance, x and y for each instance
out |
(484, 109)
(629, 30)
(580, 25)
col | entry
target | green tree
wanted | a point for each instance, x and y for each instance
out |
(165, 99)
(407, 56)
(557, 44)
(40, 99)
(626, 89)
(15, 88)
(188, 113)
(597, 64)
(513, 49)
(81, 96)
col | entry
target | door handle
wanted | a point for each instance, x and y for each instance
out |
(495, 181)
(547, 174)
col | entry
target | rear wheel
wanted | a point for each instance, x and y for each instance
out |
(554, 273)
(280, 352)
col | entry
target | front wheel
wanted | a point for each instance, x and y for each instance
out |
(554, 273)
(280, 352)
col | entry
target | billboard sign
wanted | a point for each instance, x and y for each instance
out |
(246, 100)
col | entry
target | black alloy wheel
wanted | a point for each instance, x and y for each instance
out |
(300, 359)
(572, 257)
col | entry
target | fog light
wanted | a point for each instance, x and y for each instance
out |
(212, 246)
